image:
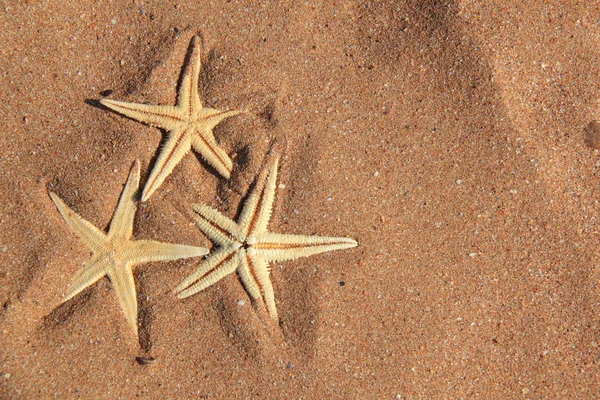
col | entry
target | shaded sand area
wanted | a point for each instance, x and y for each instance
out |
(445, 137)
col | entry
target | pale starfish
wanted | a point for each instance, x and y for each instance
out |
(247, 246)
(188, 125)
(114, 254)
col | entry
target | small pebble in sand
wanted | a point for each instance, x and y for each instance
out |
(592, 134)
(241, 302)
(145, 360)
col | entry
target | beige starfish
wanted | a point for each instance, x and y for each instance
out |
(188, 124)
(247, 246)
(114, 254)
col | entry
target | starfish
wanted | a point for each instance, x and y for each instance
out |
(248, 247)
(114, 254)
(188, 125)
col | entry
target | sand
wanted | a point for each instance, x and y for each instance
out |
(446, 137)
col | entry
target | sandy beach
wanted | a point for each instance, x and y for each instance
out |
(448, 138)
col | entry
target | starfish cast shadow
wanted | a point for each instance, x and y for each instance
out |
(188, 125)
(248, 247)
(114, 254)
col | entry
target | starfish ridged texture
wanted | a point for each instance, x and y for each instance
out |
(114, 254)
(248, 247)
(188, 124)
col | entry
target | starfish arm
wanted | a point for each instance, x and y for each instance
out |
(254, 273)
(93, 237)
(141, 251)
(204, 143)
(249, 214)
(188, 97)
(247, 276)
(215, 225)
(268, 197)
(121, 278)
(212, 117)
(213, 269)
(274, 247)
(121, 225)
(257, 208)
(173, 151)
(89, 274)
(165, 117)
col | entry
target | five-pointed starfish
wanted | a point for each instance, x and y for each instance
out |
(247, 246)
(113, 254)
(188, 124)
